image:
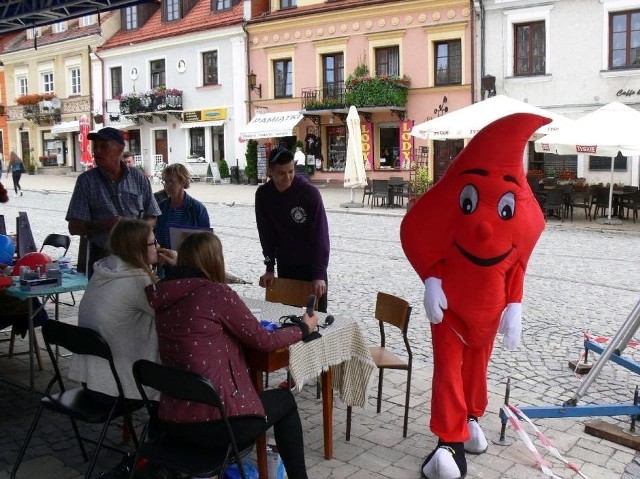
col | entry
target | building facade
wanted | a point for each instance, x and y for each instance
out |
(567, 56)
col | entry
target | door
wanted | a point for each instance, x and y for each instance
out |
(443, 154)
(25, 147)
(161, 144)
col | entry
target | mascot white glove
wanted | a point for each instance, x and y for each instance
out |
(434, 300)
(511, 326)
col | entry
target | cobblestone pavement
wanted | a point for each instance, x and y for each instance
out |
(582, 276)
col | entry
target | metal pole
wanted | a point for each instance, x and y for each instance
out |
(617, 344)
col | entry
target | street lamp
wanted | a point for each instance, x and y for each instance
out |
(251, 79)
(488, 85)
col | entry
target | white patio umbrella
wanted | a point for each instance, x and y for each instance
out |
(469, 120)
(354, 173)
(607, 131)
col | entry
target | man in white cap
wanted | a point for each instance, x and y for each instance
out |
(105, 194)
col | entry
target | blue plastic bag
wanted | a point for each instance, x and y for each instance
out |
(250, 470)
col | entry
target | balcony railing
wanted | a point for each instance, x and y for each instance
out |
(42, 112)
(389, 91)
(150, 102)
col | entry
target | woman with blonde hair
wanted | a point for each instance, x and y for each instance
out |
(204, 326)
(16, 167)
(114, 304)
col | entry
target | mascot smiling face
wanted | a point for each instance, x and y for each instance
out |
(483, 208)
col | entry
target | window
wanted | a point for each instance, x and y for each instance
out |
(387, 61)
(448, 67)
(210, 68)
(130, 18)
(288, 3)
(47, 82)
(74, 81)
(624, 49)
(157, 73)
(390, 146)
(529, 53)
(171, 10)
(116, 81)
(22, 86)
(333, 74)
(282, 78)
(33, 33)
(196, 139)
(59, 27)
(221, 4)
(88, 20)
(337, 138)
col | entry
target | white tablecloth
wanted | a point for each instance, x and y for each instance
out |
(341, 347)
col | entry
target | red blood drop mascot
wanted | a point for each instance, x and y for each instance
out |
(469, 238)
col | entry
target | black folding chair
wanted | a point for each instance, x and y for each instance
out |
(171, 453)
(79, 404)
(55, 240)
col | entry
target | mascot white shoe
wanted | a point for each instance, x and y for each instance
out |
(447, 461)
(477, 442)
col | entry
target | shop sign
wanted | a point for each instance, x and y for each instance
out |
(208, 114)
(367, 142)
(406, 143)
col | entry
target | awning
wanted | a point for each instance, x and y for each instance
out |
(271, 125)
(200, 124)
(122, 125)
(65, 127)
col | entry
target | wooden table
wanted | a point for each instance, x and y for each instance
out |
(305, 362)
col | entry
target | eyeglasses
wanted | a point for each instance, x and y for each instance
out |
(155, 243)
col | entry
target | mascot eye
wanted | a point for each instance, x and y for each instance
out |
(469, 199)
(507, 206)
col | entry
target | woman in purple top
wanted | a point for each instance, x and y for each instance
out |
(292, 225)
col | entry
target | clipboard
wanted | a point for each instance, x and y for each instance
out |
(179, 233)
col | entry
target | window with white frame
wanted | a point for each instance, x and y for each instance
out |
(221, 4)
(288, 3)
(210, 68)
(171, 10)
(33, 33)
(59, 27)
(530, 46)
(22, 85)
(47, 82)
(624, 39)
(88, 20)
(130, 17)
(74, 81)
(116, 81)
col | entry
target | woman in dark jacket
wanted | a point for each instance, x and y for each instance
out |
(204, 326)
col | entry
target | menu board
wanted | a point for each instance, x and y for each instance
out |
(262, 162)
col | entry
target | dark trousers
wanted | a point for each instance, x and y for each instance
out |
(16, 180)
(303, 273)
(282, 413)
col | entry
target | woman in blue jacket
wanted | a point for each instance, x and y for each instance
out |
(178, 209)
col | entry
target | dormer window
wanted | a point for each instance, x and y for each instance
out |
(88, 20)
(59, 27)
(33, 33)
(176, 9)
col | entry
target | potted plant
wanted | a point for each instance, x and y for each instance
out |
(223, 167)
(31, 168)
(420, 183)
(251, 170)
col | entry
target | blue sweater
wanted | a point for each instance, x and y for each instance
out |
(292, 226)
(193, 213)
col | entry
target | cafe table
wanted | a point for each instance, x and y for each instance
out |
(71, 281)
(340, 356)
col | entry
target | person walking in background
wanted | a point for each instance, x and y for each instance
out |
(292, 226)
(107, 193)
(16, 167)
(197, 317)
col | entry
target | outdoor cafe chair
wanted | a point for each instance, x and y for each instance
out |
(554, 201)
(380, 190)
(600, 200)
(366, 192)
(582, 200)
(162, 449)
(633, 204)
(394, 312)
(79, 404)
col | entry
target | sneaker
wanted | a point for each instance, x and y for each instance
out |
(20, 192)
(447, 461)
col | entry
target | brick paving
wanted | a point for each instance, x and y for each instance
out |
(582, 276)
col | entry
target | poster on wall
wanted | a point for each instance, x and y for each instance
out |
(367, 144)
(262, 162)
(406, 144)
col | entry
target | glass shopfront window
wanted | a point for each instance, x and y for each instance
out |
(337, 149)
(389, 147)
(196, 141)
